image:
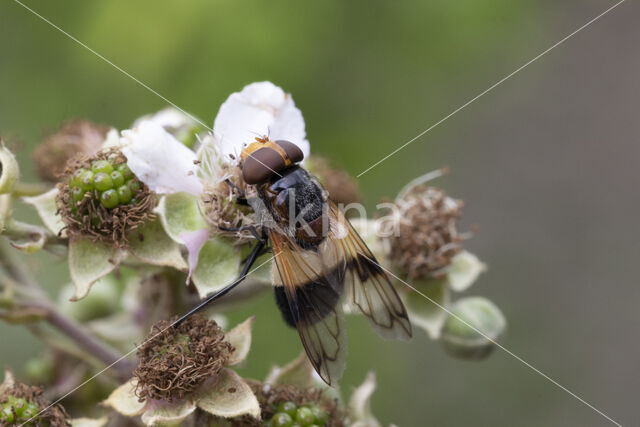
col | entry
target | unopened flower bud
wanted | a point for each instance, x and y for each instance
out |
(472, 329)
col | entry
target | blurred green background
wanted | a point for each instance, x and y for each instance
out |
(546, 164)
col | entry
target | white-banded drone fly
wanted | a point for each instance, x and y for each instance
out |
(321, 264)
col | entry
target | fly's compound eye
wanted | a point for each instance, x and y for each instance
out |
(261, 165)
(294, 153)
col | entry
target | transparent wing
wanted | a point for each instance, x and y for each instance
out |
(313, 284)
(366, 285)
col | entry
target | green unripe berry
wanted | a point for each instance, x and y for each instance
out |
(321, 416)
(86, 182)
(124, 194)
(102, 166)
(281, 419)
(134, 186)
(76, 178)
(29, 411)
(78, 193)
(288, 407)
(117, 179)
(6, 414)
(109, 199)
(123, 168)
(102, 181)
(304, 416)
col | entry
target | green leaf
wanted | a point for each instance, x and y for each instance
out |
(103, 300)
(124, 400)
(261, 270)
(89, 261)
(240, 338)
(45, 205)
(179, 213)
(218, 265)
(25, 237)
(464, 269)
(228, 397)
(152, 245)
(423, 313)
(160, 413)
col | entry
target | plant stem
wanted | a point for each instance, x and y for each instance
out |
(76, 332)
(30, 189)
(100, 350)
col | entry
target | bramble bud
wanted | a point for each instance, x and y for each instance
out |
(472, 328)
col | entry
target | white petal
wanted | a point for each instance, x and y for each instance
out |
(160, 160)
(194, 241)
(168, 118)
(112, 140)
(259, 109)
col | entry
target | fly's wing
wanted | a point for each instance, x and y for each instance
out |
(366, 285)
(313, 283)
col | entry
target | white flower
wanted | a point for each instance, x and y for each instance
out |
(167, 166)
(169, 118)
(259, 109)
(160, 160)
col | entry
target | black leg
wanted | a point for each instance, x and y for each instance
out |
(250, 228)
(241, 198)
(245, 270)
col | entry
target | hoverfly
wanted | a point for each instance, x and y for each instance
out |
(320, 261)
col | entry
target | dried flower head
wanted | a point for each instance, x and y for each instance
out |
(424, 236)
(174, 361)
(100, 198)
(21, 404)
(297, 403)
(74, 137)
(341, 186)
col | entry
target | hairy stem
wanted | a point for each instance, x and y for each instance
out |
(87, 342)
(70, 328)
(30, 189)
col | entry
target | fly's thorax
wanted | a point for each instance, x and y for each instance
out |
(299, 204)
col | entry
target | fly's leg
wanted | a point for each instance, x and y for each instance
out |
(241, 198)
(257, 250)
